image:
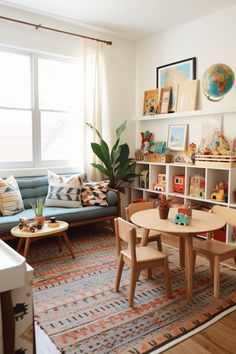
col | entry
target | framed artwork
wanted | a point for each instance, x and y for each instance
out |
(150, 103)
(177, 137)
(164, 100)
(170, 75)
(187, 95)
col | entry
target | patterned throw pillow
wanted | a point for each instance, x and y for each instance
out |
(95, 194)
(64, 191)
(10, 198)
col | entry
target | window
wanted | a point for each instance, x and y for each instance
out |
(41, 116)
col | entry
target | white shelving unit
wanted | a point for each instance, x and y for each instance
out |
(212, 175)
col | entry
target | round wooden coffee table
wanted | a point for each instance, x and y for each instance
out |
(28, 236)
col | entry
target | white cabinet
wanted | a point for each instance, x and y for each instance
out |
(212, 176)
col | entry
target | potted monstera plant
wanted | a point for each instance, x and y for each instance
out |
(115, 164)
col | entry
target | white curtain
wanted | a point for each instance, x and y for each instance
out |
(96, 107)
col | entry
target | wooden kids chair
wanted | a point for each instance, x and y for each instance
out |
(137, 258)
(217, 251)
(140, 231)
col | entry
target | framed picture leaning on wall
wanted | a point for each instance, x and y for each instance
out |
(150, 103)
(170, 75)
(177, 137)
(164, 100)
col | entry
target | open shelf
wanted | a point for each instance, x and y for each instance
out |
(212, 176)
(196, 113)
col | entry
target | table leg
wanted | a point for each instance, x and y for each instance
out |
(27, 247)
(182, 251)
(189, 266)
(144, 240)
(68, 244)
(20, 244)
(60, 245)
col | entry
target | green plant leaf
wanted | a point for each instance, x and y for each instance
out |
(121, 129)
(98, 151)
(101, 169)
(106, 154)
(94, 130)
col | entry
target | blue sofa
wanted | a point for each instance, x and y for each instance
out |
(33, 188)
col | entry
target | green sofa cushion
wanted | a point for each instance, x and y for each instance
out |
(64, 214)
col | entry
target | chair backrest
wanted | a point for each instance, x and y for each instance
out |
(228, 214)
(125, 231)
(135, 207)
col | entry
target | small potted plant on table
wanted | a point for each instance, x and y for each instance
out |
(163, 203)
(38, 209)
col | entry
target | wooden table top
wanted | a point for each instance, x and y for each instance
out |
(46, 230)
(201, 221)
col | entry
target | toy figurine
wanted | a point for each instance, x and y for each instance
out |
(219, 193)
(160, 186)
(146, 137)
(178, 184)
(197, 186)
(144, 179)
(181, 219)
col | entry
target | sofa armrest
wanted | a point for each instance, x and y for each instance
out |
(113, 198)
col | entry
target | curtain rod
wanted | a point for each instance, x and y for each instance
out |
(54, 29)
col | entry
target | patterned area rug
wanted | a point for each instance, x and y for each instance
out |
(75, 302)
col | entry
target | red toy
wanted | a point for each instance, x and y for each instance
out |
(146, 137)
(178, 184)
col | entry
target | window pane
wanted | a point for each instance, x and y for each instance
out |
(15, 82)
(61, 137)
(59, 85)
(15, 136)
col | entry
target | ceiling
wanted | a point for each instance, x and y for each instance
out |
(134, 19)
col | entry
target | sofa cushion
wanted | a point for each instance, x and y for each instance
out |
(94, 194)
(32, 188)
(10, 198)
(63, 214)
(64, 191)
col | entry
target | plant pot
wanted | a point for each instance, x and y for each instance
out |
(163, 212)
(39, 219)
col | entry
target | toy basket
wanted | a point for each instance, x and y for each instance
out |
(215, 161)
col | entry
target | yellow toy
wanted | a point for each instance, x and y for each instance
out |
(219, 193)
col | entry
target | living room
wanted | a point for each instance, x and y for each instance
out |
(71, 71)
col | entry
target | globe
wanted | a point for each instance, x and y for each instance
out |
(217, 80)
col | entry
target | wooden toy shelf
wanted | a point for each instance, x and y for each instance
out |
(212, 175)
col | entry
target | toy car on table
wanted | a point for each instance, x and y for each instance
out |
(27, 225)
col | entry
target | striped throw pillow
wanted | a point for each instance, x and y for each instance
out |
(64, 192)
(10, 198)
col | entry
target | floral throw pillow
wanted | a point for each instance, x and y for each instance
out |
(94, 194)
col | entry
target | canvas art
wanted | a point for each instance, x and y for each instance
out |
(170, 75)
(177, 135)
(150, 104)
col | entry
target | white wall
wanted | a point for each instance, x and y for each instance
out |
(122, 54)
(210, 39)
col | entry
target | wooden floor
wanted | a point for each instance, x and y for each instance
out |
(219, 338)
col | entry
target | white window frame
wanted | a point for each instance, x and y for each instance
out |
(37, 163)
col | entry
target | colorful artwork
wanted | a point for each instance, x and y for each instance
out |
(150, 102)
(177, 136)
(170, 75)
